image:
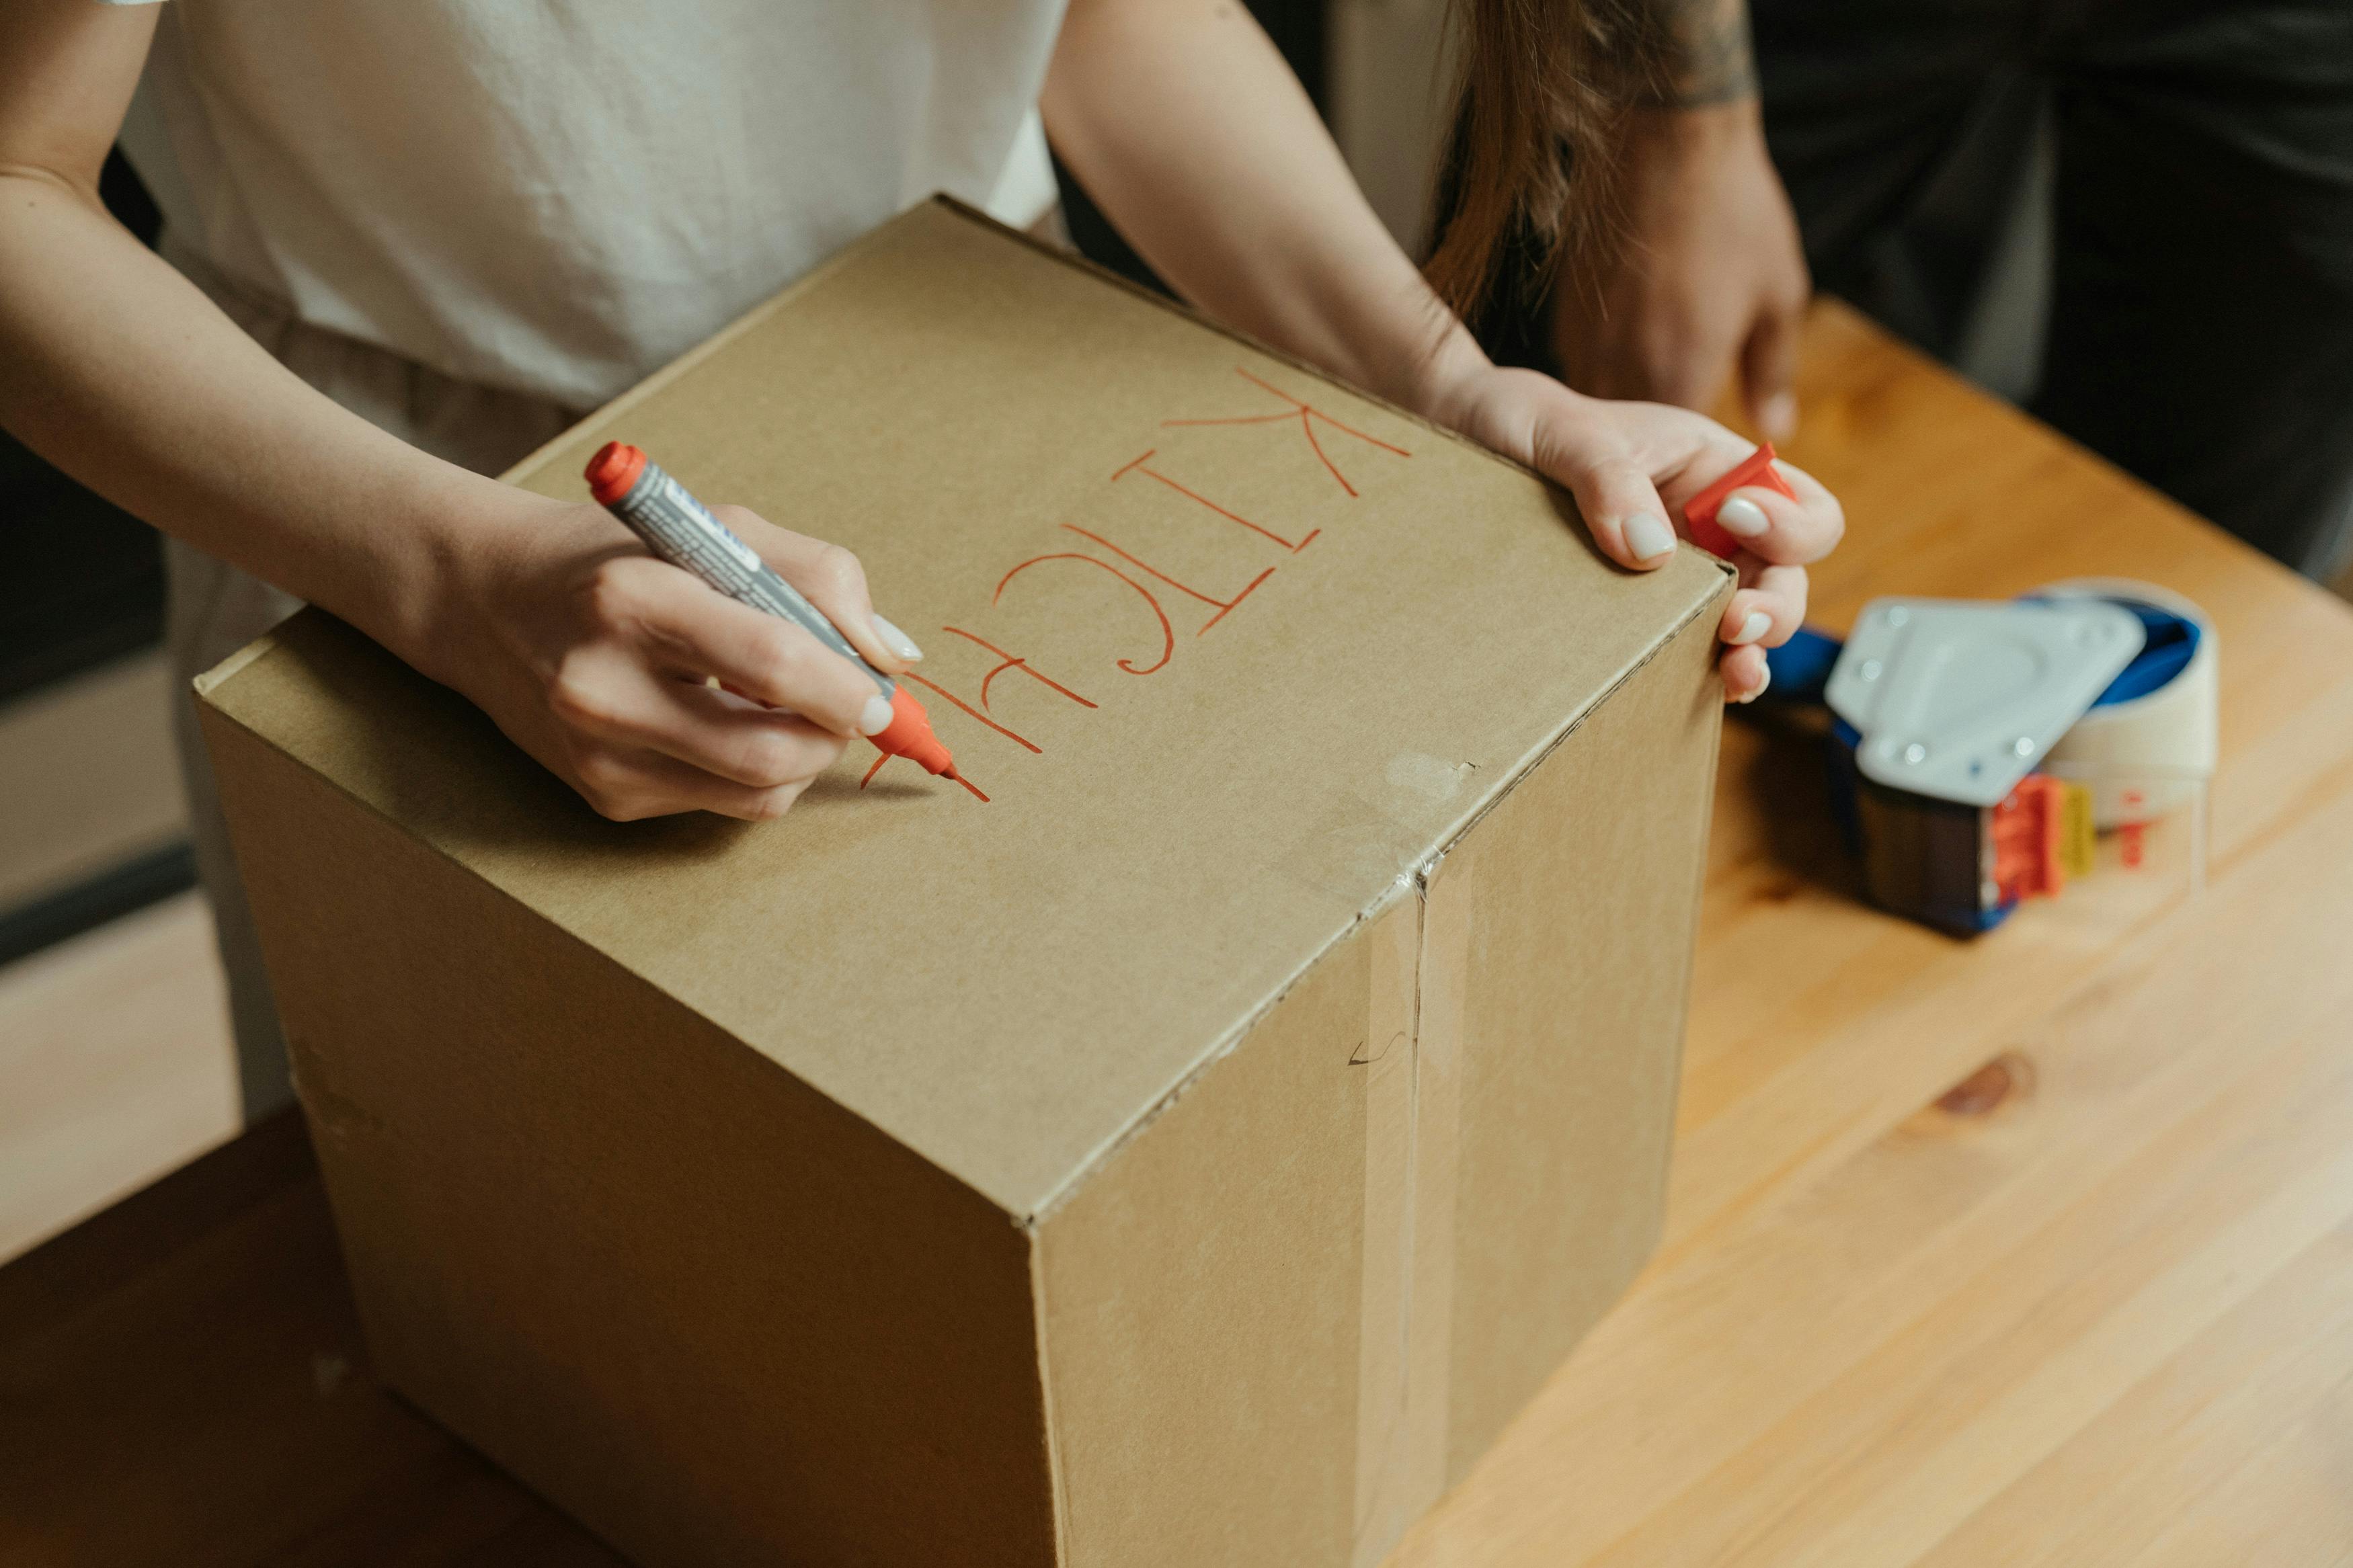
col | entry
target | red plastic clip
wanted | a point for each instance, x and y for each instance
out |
(1756, 469)
(2028, 832)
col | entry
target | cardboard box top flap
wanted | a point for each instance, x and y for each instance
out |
(1277, 644)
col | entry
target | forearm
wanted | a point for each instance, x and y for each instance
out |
(125, 377)
(1190, 132)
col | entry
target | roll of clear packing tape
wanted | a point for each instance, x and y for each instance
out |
(2146, 756)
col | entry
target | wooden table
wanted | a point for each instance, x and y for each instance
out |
(2094, 1306)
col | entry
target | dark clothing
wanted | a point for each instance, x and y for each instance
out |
(2200, 332)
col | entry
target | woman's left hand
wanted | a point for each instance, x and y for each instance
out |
(1632, 466)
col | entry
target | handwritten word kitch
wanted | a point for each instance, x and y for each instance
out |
(1128, 572)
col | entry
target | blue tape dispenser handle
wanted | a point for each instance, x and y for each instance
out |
(2171, 642)
(1800, 667)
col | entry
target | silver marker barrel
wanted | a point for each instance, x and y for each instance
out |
(682, 531)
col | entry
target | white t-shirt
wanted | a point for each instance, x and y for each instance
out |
(557, 197)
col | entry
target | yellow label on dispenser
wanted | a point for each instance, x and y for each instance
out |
(2076, 830)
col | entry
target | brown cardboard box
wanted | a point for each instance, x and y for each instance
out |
(1193, 1155)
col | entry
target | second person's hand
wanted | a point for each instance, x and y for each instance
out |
(1708, 281)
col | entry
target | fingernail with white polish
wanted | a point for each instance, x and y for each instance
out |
(1742, 516)
(875, 717)
(1647, 537)
(1757, 624)
(897, 641)
(1762, 685)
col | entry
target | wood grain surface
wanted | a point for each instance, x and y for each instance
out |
(2095, 1308)
(2032, 1250)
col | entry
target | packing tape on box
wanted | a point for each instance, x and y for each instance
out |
(1421, 950)
(2145, 756)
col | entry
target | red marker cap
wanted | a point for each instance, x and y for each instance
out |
(1756, 469)
(614, 468)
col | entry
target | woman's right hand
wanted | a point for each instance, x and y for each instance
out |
(598, 658)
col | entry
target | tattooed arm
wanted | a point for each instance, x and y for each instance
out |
(1707, 58)
(1711, 278)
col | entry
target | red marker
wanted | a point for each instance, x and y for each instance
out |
(1700, 511)
(682, 531)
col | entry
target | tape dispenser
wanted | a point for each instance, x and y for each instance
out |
(1984, 753)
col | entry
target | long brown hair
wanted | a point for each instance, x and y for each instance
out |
(1540, 98)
